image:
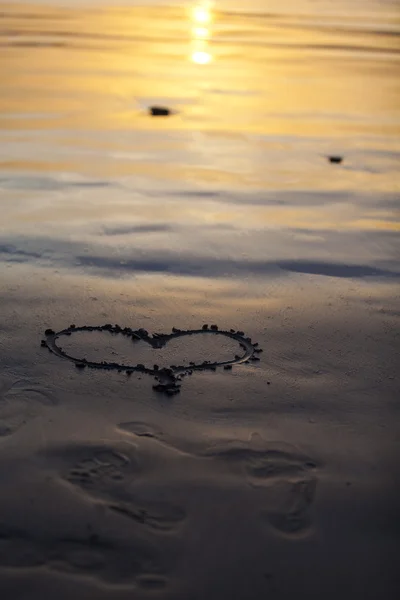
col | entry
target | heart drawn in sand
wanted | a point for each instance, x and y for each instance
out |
(168, 378)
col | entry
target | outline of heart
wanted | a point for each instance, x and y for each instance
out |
(168, 377)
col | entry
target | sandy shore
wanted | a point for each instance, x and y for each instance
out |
(234, 488)
(276, 478)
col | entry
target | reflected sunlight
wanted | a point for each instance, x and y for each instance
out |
(201, 58)
(200, 33)
(201, 14)
(281, 80)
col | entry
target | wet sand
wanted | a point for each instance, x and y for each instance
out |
(278, 477)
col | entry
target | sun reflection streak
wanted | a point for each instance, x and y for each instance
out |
(200, 33)
(201, 15)
(201, 58)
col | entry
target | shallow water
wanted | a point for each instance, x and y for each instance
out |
(227, 211)
(237, 181)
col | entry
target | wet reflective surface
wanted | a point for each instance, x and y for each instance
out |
(237, 182)
(227, 211)
(245, 153)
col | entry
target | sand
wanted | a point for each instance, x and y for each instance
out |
(278, 477)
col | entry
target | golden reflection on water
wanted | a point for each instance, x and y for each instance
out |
(259, 101)
(200, 33)
(201, 15)
(96, 70)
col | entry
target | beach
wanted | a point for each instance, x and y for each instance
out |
(258, 456)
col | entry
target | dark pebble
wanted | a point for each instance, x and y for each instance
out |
(43, 344)
(159, 111)
(156, 367)
(214, 327)
(49, 332)
(72, 326)
(205, 326)
(335, 159)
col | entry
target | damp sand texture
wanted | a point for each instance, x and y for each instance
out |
(147, 262)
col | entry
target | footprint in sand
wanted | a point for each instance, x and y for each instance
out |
(284, 476)
(100, 467)
(281, 480)
(70, 528)
(293, 516)
(108, 476)
(20, 402)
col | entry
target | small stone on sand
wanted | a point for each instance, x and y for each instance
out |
(335, 159)
(159, 111)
